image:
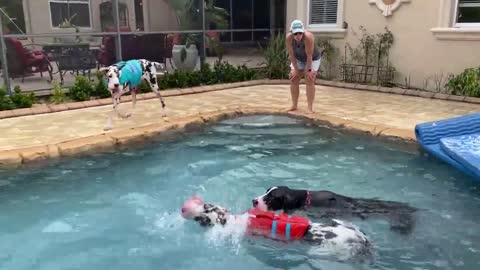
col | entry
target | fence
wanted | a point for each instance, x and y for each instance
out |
(77, 37)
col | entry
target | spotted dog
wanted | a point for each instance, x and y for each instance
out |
(126, 76)
(326, 204)
(340, 239)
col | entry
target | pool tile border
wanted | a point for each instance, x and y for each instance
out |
(44, 108)
(109, 141)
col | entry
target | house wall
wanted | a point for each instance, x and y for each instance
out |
(157, 16)
(426, 44)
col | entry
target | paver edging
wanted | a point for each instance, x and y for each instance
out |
(109, 141)
(51, 108)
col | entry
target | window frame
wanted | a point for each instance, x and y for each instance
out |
(463, 25)
(88, 2)
(323, 25)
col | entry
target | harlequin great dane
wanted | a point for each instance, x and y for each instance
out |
(126, 76)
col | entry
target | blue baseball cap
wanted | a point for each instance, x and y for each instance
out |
(297, 27)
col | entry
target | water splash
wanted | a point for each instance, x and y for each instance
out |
(230, 235)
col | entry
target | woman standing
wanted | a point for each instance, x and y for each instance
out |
(305, 60)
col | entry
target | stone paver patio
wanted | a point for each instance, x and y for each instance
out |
(361, 109)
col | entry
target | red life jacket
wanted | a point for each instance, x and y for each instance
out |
(279, 227)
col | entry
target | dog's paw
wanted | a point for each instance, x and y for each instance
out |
(107, 128)
(126, 116)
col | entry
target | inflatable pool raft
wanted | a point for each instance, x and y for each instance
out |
(456, 141)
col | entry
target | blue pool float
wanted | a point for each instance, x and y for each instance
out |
(456, 141)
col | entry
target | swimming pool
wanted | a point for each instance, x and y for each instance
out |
(121, 211)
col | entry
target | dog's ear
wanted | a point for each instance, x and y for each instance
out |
(203, 221)
(103, 70)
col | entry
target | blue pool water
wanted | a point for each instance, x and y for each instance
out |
(121, 211)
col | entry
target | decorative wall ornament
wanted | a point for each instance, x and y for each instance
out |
(388, 6)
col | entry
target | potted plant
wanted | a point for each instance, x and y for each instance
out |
(188, 12)
(67, 24)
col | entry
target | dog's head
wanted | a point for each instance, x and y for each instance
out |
(205, 214)
(276, 198)
(112, 78)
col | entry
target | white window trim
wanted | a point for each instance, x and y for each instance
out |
(333, 30)
(463, 25)
(74, 2)
(448, 29)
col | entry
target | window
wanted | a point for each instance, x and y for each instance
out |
(468, 13)
(323, 12)
(78, 11)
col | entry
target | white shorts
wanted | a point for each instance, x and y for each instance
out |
(301, 65)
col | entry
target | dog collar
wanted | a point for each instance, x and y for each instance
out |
(308, 200)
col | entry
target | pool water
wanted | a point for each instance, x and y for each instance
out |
(121, 211)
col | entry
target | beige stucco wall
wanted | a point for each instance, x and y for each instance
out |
(418, 51)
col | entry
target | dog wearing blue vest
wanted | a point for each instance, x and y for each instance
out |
(124, 77)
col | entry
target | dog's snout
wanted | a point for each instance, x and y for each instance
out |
(116, 85)
(255, 202)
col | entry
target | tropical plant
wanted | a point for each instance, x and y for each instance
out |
(58, 95)
(67, 23)
(189, 18)
(106, 11)
(276, 58)
(466, 83)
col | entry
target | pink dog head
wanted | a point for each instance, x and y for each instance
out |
(205, 214)
(193, 207)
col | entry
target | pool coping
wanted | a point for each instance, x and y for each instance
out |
(111, 140)
(52, 108)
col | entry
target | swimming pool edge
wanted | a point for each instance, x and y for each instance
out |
(112, 140)
(52, 108)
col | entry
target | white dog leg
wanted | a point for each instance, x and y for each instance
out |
(164, 112)
(108, 126)
(152, 80)
(134, 98)
(119, 114)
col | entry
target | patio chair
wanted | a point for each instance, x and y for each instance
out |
(23, 62)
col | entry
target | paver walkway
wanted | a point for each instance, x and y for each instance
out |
(396, 111)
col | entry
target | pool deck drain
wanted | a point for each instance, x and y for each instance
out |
(43, 134)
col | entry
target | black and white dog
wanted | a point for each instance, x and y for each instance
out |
(326, 204)
(337, 238)
(125, 77)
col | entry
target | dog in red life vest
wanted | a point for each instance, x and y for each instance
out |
(336, 237)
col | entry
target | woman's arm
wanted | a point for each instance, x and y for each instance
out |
(309, 45)
(291, 55)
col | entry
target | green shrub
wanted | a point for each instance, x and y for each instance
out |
(5, 102)
(207, 75)
(222, 72)
(100, 89)
(276, 58)
(21, 100)
(16, 100)
(82, 89)
(466, 83)
(58, 95)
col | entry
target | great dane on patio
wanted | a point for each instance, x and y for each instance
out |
(126, 76)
